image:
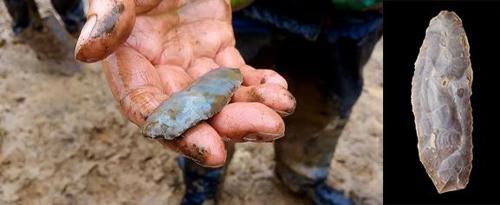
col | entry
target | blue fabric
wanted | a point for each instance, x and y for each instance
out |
(324, 195)
(74, 18)
(354, 25)
(246, 25)
(267, 16)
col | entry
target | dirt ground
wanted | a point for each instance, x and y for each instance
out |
(63, 141)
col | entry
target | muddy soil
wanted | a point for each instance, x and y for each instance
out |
(63, 141)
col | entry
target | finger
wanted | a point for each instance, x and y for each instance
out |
(201, 66)
(202, 144)
(173, 78)
(274, 96)
(248, 122)
(252, 76)
(134, 84)
(108, 25)
(230, 57)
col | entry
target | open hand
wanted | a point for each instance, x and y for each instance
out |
(153, 48)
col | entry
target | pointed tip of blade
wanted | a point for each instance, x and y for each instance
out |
(447, 17)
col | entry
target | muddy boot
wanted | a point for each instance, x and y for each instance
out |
(201, 183)
(315, 189)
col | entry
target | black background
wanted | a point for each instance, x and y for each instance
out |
(405, 179)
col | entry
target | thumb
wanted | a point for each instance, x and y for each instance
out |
(109, 23)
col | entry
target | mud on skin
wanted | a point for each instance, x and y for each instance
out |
(105, 31)
(183, 110)
(110, 20)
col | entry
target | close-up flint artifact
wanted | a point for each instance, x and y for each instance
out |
(203, 99)
(441, 91)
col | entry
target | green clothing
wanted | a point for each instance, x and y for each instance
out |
(240, 4)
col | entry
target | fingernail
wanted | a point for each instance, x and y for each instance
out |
(227, 139)
(262, 137)
(192, 158)
(284, 113)
(85, 34)
(250, 138)
(278, 137)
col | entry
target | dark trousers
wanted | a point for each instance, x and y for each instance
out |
(24, 13)
(325, 76)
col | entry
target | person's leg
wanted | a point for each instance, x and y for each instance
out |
(72, 14)
(325, 97)
(22, 12)
(303, 156)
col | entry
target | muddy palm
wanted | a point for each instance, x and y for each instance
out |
(153, 48)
